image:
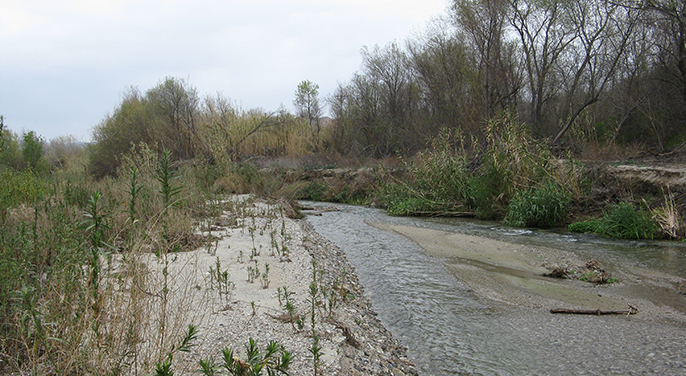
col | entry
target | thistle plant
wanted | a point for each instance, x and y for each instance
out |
(96, 226)
(134, 190)
(166, 177)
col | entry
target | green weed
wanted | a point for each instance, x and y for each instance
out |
(544, 206)
(620, 221)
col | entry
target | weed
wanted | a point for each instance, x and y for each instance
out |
(134, 190)
(625, 222)
(224, 286)
(315, 349)
(545, 206)
(585, 227)
(667, 217)
(620, 221)
(265, 277)
(253, 272)
(274, 360)
(164, 368)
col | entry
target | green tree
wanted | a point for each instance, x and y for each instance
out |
(10, 156)
(2, 134)
(175, 105)
(307, 106)
(32, 150)
(129, 125)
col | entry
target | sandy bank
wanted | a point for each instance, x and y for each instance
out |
(256, 236)
(512, 274)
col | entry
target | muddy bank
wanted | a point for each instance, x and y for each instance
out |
(513, 274)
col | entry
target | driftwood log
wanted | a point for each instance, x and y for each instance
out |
(631, 311)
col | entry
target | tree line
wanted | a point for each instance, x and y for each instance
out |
(591, 71)
(576, 73)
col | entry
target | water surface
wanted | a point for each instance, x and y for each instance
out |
(450, 330)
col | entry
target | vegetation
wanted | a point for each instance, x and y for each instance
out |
(275, 360)
(620, 221)
(545, 206)
(516, 179)
(486, 112)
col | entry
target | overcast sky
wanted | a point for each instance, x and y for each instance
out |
(64, 64)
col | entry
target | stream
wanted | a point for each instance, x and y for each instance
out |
(448, 329)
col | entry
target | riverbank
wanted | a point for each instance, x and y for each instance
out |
(513, 274)
(351, 338)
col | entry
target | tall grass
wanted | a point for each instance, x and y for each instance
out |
(511, 174)
(435, 184)
(80, 291)
(621, 221)
(543, 206)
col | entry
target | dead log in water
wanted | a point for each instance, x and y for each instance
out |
(631, 311)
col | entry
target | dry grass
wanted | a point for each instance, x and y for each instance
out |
(668, 218)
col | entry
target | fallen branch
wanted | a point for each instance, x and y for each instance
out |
(631, 311)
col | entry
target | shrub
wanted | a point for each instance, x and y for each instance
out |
(623, 221)
(545, 206)
(315, 191)
(585, 227)
(487, 194)
(438, 183)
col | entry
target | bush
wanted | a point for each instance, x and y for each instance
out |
(545, 206)
(585, 227)
(621, 221)
(438, 183)
(487, 195)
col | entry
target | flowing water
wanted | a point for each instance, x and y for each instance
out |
(450, 330)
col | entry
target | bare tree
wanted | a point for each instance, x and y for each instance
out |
(603, 31)
(484, 23)
(388, 71)
(447, 77)
(544, 33)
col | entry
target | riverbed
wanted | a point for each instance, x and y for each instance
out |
(469, 297)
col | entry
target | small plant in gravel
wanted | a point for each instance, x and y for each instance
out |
(251, 230)
(333, 295)
(164, 368)
(315, 349)
(285, 301)
(253, 272)
(220, 280)
(274, 360)
(265, 277)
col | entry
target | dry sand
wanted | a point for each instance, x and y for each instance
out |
(352, 339)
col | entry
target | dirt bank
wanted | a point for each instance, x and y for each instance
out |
(513, 274)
